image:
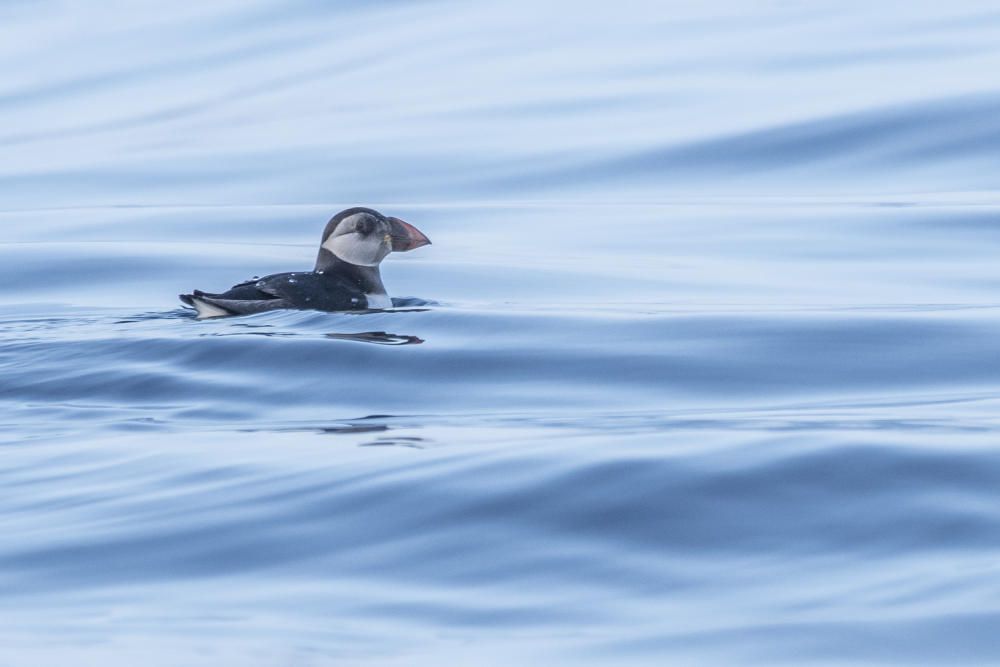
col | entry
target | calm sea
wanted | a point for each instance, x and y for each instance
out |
(708, 371)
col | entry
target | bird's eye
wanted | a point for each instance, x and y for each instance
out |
(364, 227)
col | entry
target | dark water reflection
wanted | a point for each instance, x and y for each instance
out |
(374, 337)
(377, 337)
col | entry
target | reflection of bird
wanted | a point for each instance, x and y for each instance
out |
(377, 337)
(346, 276)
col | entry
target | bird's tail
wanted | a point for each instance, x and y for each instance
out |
(202, 303)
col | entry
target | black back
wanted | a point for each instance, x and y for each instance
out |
(304, 289)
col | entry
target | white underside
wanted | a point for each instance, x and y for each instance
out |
(378, 300)
(208, 310)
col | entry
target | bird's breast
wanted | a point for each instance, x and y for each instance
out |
(378, 300)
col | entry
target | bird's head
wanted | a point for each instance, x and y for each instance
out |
(364, 237)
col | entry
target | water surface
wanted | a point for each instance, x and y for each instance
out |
(702, 367)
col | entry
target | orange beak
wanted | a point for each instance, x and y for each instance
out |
(405, 236)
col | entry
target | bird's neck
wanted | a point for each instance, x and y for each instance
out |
(368, 278)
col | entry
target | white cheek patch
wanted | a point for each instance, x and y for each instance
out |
(353, 249)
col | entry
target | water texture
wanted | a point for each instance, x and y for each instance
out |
(702, 368)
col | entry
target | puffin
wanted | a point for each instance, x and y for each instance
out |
(346, 275)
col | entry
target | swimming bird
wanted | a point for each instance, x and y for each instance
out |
(346, 275)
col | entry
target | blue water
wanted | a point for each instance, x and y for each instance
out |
(703, 367)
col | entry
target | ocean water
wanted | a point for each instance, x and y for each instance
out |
(702, 368)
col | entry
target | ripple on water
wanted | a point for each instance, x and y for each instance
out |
(705, 371)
